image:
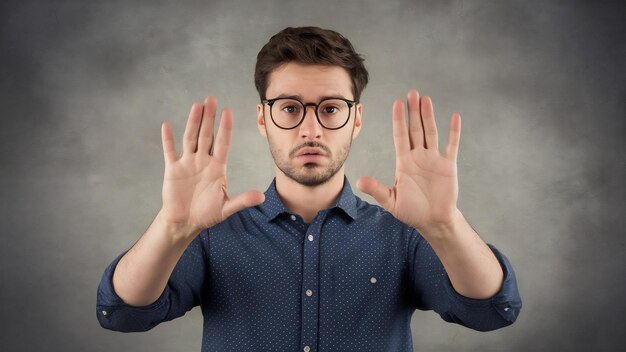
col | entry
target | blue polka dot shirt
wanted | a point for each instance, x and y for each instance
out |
(348, 281)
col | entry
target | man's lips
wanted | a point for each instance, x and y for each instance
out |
(308, 151)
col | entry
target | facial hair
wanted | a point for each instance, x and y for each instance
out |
(307, 175)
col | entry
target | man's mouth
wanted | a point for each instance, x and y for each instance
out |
(310, 151)
(310, 155)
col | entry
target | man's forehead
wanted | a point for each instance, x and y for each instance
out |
(309, 81)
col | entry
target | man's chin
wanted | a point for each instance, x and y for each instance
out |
(312, 182)
(310, 174)
(312, 179)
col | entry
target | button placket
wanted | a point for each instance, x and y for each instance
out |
(310, 285)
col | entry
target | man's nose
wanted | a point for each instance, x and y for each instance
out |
(310, 127)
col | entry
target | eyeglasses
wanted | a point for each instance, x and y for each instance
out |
(288, 113)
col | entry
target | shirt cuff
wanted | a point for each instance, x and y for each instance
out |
(507, 302)
(113, 313)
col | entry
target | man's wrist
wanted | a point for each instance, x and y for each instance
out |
(444, 231)
(179, 233)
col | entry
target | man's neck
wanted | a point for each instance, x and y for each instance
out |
(308, 201)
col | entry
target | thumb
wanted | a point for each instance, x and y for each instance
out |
(374, 188)
(242, 201)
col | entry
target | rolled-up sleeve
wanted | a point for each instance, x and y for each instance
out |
(184, 291)
(432, 290)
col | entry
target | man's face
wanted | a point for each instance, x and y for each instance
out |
(309, 154)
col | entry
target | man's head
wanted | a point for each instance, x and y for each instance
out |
(309, 46)
(310, 65)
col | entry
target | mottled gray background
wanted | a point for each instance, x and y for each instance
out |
(540, 85)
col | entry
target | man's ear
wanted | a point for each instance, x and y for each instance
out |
(358, 111)
(260, 120)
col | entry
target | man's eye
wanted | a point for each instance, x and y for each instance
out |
(330, 109)
(290, 109)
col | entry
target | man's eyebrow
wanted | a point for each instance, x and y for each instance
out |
(299, 97)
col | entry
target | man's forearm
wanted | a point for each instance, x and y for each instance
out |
(471, 265)
(142, 273)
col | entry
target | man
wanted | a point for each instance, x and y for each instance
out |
(308, 266)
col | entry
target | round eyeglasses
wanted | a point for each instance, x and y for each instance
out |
(288, 113)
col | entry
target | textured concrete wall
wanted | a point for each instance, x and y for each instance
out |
(85, 86)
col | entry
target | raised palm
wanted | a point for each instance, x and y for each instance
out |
(425, 191)
(194, 184)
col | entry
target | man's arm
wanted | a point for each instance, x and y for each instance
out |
(431, 289)
(425, 194)
(184, 290)
(142, 273)
(471, 265)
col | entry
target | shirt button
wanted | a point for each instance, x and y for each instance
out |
(293, 217)
(373, 280)
(311, 238)
(309, 293)
(307, 348)
(104, 312)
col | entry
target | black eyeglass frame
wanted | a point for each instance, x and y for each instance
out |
(271, 102)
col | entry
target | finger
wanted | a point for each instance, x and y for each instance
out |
(454, 137)
(222, 141)
(416, 131)
(430, 127)
(242, 201)
(374, 188)
(167, 138)
(205, 138)
(190, 138)
(400, 133)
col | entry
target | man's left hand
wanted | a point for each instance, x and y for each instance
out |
(426, 184)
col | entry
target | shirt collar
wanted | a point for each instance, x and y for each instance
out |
(273, 206)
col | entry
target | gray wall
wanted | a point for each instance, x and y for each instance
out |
(540, 85)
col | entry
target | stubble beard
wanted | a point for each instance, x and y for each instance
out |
(309, 174)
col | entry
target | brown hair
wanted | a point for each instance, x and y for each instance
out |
(309, 45)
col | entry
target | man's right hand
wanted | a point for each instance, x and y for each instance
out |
(194, 198)
(194, 184)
